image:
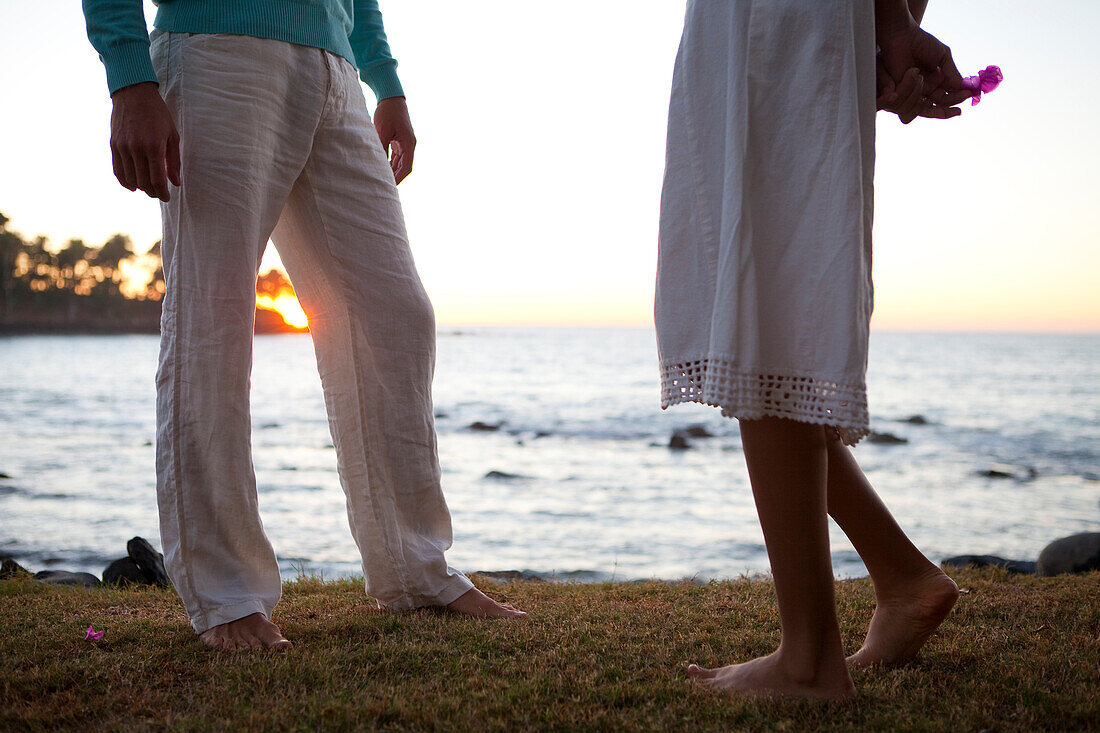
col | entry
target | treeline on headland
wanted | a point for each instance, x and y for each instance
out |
(79, 288)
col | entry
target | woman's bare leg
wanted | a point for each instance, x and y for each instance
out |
(788, 467)
(913, 596)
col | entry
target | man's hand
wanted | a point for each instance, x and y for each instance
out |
(145, 147)
(391, 120)
(903, 47)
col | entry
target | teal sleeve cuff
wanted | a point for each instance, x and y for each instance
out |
(383, 81)
(128, 63)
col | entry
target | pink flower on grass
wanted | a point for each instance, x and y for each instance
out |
(91, 634)
(986, 81)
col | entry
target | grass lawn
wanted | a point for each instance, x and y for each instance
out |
(1018, 653)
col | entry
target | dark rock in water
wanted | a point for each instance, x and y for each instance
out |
(149, 560)
(440, 415)
(980, 561)
(1001, 470)
(504, 476)
(916, 420)
(1077, 553)
(4, 475)
(510, 576)
(64, 577)
(542, 434)
(123, 571)
(679, 441)
(10, 569)
(697, 431)
(484, 427)
(269, 426)
(885, 439)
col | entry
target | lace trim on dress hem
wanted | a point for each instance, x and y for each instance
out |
(750, 396)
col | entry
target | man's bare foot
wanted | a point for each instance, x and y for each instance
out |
(770, 676)
(902, 625)
(475, 603)
(250, 632)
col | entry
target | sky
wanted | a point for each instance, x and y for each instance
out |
(534, 197)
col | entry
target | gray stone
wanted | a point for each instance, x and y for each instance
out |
(1004, 470)
(123, 571)
(64, 577)
(886, 439)
(510, 576)
(1077, 553)
(697, 431)
(678, 441)
(10, 569)
(149, 561)
(980, 561)
(504, 476)
(916, 420)
(484, 427)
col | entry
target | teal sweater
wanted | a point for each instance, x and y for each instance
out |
(349, 28)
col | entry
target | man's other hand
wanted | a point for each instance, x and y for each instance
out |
(145, 147)
(391, 120)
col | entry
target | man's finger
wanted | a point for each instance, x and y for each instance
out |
(408, 148)
(402, 161)
(119, 168)
(158, 181)
(128, 179)
(172, 158)
(141, 174)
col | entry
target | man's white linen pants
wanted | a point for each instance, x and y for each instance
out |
(276, 143)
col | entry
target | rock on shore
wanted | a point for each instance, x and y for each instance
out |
(1077, 553)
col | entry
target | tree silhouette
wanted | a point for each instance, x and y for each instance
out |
(11, 246)
(79, 288)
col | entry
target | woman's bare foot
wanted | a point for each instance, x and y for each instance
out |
(250, 632)
(475, 603)
(770, 676)
(902, 624)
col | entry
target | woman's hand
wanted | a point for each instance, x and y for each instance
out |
(904, 47)
(908, 99)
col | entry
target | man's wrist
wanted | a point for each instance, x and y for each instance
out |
(131, 90)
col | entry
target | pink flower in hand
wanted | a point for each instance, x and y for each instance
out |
(986, 81)
(91, 634)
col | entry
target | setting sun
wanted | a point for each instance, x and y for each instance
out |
(274, 292)
(286, 305)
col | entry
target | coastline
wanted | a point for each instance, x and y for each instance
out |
(267, 322)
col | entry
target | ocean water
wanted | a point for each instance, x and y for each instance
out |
(592, 491)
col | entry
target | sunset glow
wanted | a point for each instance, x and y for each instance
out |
(286, 305)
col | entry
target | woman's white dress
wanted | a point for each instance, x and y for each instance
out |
(764, 289)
